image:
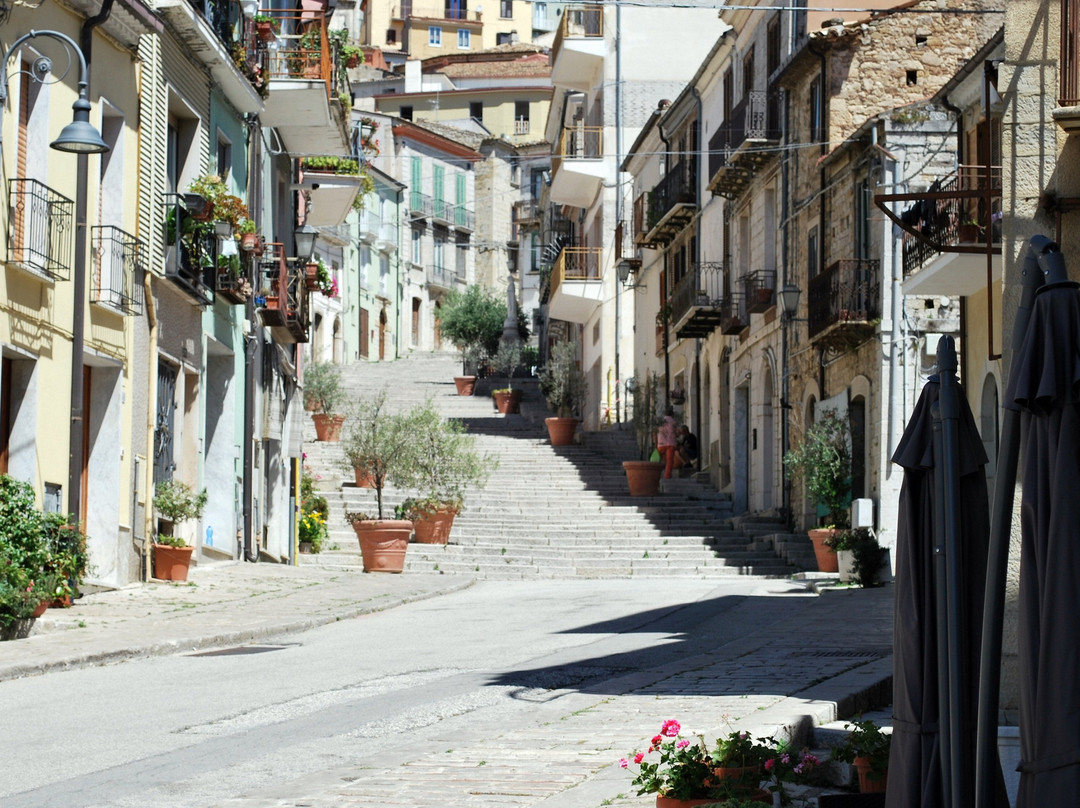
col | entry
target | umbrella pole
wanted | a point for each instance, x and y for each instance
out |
(997, 560)
(948, 398)
(944, 744)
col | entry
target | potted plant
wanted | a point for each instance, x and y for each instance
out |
(859, 556)
(314, 510)
(249, 235)
(445, 463)
(563, 385)
(266, 27)
(473, 321)
(643, 475)
(322, 386)
(351, 55)
(867, 749)
(823, 462)
(507, 359)
(473, 357)
(175, 503)
(740, 758)
(968, 231)
(382, 439)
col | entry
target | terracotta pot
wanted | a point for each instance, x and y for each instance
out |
(305, 547)
(826, 556)
(762, 795)
(248, 241)
(328, 427)
(61, 603)
(561, 430)
(866, 785)
(435, 528)
(508, 403)
(364, 478)
(171, 563)
(311, 277)
(265, 31)
(748, 775)
(41, 607)
(466, 385)
(352, 61)
(643, 477)
(383, 544)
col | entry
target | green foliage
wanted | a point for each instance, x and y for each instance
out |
(869, 555)
(378, 440)
(646, 414)
(473, 318)
(739, 749)
(177, 501)
(507, 359)
(865, 739)
(823, 462)
(561, 380)
(322, 386)
(332, 165)
(445, 461)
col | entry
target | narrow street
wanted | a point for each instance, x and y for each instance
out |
(505, 693)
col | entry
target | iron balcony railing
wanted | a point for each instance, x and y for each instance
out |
(521, 126)
(421, 204)
(849, 291)
(117, 269)
(733, 314)
(370, 225)
(677, 188)
(755, 117)
(759, 289)
(582, 20)
(581, 143)
(41, 223)
(463, 218)
(701, 287)
(442, 211)
(301, 48)
(190, 252)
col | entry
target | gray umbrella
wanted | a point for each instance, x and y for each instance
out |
(1045, 386)
(937, 648)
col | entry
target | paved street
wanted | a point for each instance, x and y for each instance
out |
(494, 693)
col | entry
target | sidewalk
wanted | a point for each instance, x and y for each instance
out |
(222, 603)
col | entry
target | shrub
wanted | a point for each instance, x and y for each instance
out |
(823, 462)
(322, 385)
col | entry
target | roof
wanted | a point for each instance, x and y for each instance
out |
(443, 137)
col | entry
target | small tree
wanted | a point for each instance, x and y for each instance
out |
(472, 319)
(322, 387)
(646, 415)
(561, 380)
(379, 441)
(177, 502)
(823, 462)
(507, 360)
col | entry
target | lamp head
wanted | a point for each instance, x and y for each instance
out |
(789, 300)
(80, 136)
(306, 237)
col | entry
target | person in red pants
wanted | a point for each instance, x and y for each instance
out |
(666, 441)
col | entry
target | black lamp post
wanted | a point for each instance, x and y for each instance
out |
(81, 138)
(789, 307)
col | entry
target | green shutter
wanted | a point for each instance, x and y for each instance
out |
(416, 185)
(437, 192)
(460, 190)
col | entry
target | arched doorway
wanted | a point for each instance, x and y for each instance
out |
(705, 438)
(857, 424)
(338, 343)
(382, 334)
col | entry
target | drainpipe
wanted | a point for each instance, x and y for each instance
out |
(697, 196)
(618, 206)
(785, 389)
(245, 542)
(821, 204)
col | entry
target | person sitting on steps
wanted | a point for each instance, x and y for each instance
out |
(686, 450)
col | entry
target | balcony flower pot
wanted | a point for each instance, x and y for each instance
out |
(264, 30)
(383, 543)
(561, 430)
(968, 233)
(507, 401)
(328, 427)
(249, 242)
(435, 526)
(171, 563)
(466, 385)
(643, 477)
(825, 555)
(869, 784)
(311, 277)
(198, 206)
(305, 548)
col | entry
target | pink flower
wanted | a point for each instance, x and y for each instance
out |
(656, 740)
(670, 728)
(769, 764)
(785, 758)
(640, 756)
(623, 763)
(682, 744)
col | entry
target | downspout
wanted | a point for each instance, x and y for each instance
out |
(785, 390)
(697, 195)
(76, 434)
(618, 207)
(245, 541)
(821, 205)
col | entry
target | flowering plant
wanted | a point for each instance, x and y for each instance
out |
(312, 529)
(785, 765)
(682, 771)
(740, 750)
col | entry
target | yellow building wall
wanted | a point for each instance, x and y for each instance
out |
(499, 106)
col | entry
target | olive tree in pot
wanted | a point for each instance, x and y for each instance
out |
(175, 502)
(322, 387)
(445, 464)
(643, 475)
(823, 463)
(563, 385)
(507, 360)
(473, 321)
(380, 440)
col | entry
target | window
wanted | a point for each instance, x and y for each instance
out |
(521, 117)
(224, 156)
(417, 255)
(456, 10)
(812, 253)
(391, 36)
(440, 253)
(406, 113)
(506, 9)
(463, 38)
(772, 48)
(503, 39)
(748, 73)
(729, 91)
(912, 78)
(476, 111)
(515, 174)
(434, 36)
(817, 123)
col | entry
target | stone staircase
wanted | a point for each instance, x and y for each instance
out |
(549, 512)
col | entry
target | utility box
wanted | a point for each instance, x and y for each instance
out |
(862, 513)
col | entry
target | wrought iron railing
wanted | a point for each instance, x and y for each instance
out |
(733, 314)
(849, 291)
(677, 188)
(701, 287)
(420, 204)
(302, 47)
(576, 264)
(370, 225)
(190, 250)
(760, 290)
(41, 223)
(755, 117)
(443, 211)
(582, 20)
(464, 218)
(117, 280)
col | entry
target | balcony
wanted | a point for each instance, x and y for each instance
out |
(527, 211)
(332, 188)
(303, 78)
(671, 204)
(439, 278)
(951, 232)
(117, 281)
(696, 301)
(577, 54)
(442, 212)
(421, 205)
(370, 226)
(207, 31)
(734, 318)
(577, 166)
(744, 144)
(844, 302)
(575, 288)
(190, 251)
(759, 289)
(41, 223)
(463, 219)
(283, 296)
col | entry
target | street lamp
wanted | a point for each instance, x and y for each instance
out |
(82, 139)
(789, 307)
(789, 300)
(305, 237)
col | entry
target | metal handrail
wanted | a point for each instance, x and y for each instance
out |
(117, 269)
(41, 225)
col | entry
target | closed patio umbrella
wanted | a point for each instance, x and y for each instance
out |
(936, 646)
(1045, 386)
